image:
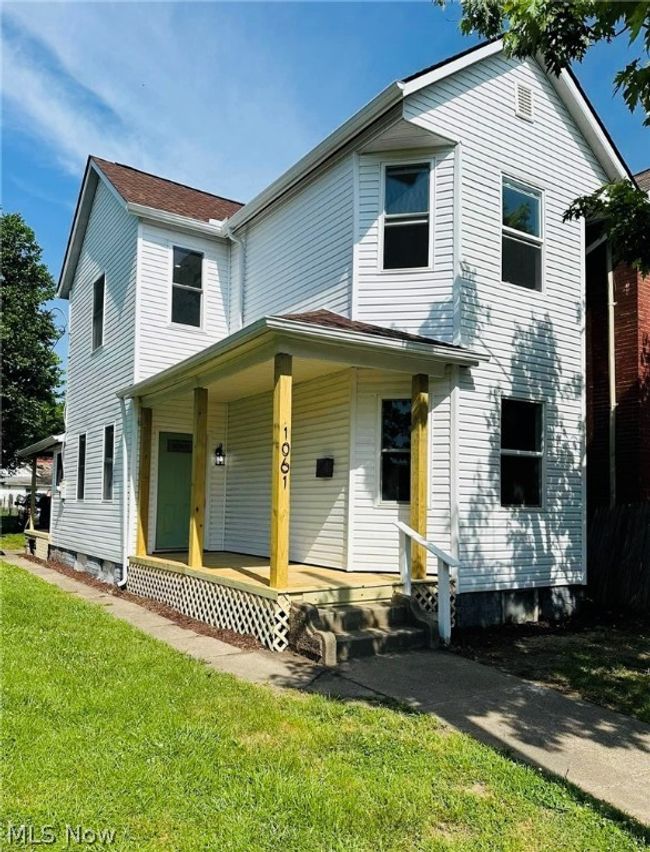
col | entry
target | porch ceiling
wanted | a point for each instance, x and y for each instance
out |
(242, 364)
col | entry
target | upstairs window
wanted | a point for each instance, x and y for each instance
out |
(407, 216)
(99, 288)
(521, 240)
(521, 453)
(81, 468)
(187, 286)
(109, 452)
(396, 450)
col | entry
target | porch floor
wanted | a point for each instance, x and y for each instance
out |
(311, 582)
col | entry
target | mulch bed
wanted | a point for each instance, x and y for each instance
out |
(238, 640)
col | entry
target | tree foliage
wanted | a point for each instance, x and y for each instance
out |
(30, 369)
(563, 31)
(624, 212)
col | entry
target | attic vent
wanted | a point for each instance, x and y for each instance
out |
(524, 102)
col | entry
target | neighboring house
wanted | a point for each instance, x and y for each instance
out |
(18, 483)
(618, 380)
(394, 330)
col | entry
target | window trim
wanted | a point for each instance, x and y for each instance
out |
(81, 435)
(379, 501)
(522, 236)
(201, 290)
(105, 499)
(98, 348)
(536, 454)
(404, 161)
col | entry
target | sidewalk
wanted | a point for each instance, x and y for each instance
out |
(604, 753)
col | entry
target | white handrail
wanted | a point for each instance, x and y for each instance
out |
(447, 571)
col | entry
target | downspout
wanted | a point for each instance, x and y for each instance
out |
(239, 310)
(124, 515)
(611, 373)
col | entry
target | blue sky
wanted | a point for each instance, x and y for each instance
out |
(223, 96)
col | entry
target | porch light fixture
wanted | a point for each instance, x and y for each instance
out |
(219, 456)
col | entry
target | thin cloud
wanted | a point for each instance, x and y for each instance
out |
(166, 92)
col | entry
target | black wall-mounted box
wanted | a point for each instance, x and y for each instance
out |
(324, 468)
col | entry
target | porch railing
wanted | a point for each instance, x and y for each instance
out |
(447, 572)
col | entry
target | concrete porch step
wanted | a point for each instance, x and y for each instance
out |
(345, 618)
(337, 632)
(372, 641)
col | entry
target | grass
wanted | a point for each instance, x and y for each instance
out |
(12, 542)
(105, 727)
(608, 664)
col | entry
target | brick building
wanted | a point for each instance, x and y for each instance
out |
(620, 411)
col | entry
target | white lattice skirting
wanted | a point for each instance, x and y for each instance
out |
(214, 604)
(426, 596)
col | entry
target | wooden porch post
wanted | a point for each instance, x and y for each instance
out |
(32, 496)
(144, 482)
(199, 459)
(281, 471)
(419, 460)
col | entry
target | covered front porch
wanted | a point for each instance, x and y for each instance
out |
(275, 477)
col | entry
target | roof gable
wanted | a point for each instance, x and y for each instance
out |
(133, 187)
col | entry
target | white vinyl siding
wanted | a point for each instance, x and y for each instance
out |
(299, 255)
(92, 526)
(415, 300)
(162, 343)
(375, 538)
(320, 427)
(535, 340)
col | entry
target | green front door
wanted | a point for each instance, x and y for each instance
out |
(174, 487)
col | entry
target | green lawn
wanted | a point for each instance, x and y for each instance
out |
(12, 542)
(106, 728)
(608, 664)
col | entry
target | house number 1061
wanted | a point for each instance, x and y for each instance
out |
(285, 450)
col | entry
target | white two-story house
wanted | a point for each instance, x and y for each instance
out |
(392, 331)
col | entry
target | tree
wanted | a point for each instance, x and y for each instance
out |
(563, 31)
(30, 369)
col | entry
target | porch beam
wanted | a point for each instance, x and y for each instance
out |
(281, 471)
(419, 464)
(199, 460)
(144, 482)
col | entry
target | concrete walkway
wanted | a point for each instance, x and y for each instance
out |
(604, 753)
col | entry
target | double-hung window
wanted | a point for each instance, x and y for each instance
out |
(395, 459)
(81, 468)
(407, 199)
(109, 452)
(187, 286)
(521, 236)
(522, 452)
(99, 288)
